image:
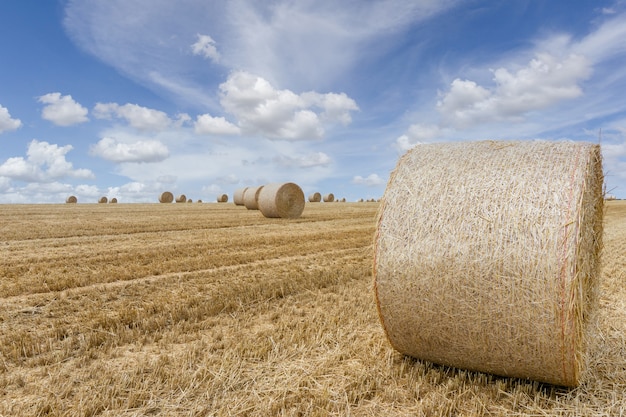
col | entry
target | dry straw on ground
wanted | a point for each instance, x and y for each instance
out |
(251, 197)
(166, 197)
(238, 196)
(103, 200)
(315, 197)
(71, 200)
(329, 198)
(181, 198)
(284, 200)
(222, 198)
(487, 256)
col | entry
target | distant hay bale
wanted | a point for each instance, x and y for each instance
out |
(329, 198)
(315, 197)
(284, 200)
(486, 256)
(166, 197)
(199, 201)
(71, 200)
(238, 196)
(190, 201)
(181, 198)
(103, 200)
(251, 197)
(222, 198)
(343, 200)
(360, 200)
(113, 201)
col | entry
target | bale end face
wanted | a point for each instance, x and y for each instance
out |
(166, 197)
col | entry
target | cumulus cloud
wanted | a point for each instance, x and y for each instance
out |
(371, 180)
(418, 133)
(305, 161)
(206, 46)
(141, 118)
(140, 151)
(62, 110)
(7, 123)
(280, 114)
(207, 125)
(545, 81)
(44, 162)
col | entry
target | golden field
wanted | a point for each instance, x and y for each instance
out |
(211, 309)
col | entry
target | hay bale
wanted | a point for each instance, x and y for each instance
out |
(190, 201)
(71, 200)
(284, 200)
(113, 201)
(238, 196)
(315, 197)
(102, 200)
(222, 198)
(251, 197)
(199, 201)
(486, 256)
(166, 197)
(329, 198)
(181, 198)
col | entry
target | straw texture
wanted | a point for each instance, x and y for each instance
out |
(284, 200)
(181, 198)
(222, 198)
(329, 198)
(113, 201)
(238, 196)
(71, 200)
(251, 197)
(166, 197)
(486, 256)
(315, 198)
(103, 200)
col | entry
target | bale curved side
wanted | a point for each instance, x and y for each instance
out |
(315, 197)
(238, 196)
(329, 198)
(181, 198)
(495, 268)
(71, 200)
(222, 198)
(251, 197)
(284, 200)
(166, 197)
(103, 200)
(113, 201)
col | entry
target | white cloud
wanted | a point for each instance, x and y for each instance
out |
(371, 180)
(44, 162)
(62, 110)
(306, 161)
(6, 122)
(141, 118)
(280, 114)
(206, 124)
(546, 80)
(206, 46)
(140, 151)
(418, 133)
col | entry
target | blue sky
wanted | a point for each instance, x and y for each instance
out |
(130, 98)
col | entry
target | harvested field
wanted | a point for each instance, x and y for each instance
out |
(212, 309)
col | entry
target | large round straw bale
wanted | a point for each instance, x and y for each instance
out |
(238, 196)
(251, 197)
(486, 256)
(113, 201)
(166, 197)
(315, 198)
(284, 200)
(329, 198)
(222, 198)
(102, 200)
(71, 200)
(181, 198)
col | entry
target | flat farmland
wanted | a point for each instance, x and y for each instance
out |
(213, 310)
